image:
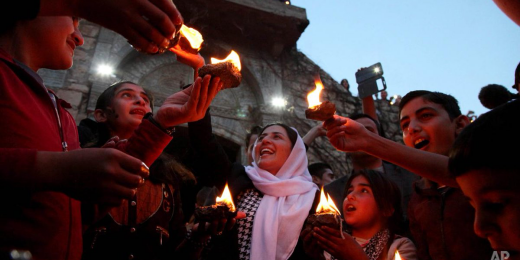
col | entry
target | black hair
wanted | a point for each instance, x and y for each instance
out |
(255, 130)
(493, 95)
(379, 127)
(517, 77)
(386, 194)
(448, 102)
(486, 143)
(105, 99)
(318, 168)
(293, 135)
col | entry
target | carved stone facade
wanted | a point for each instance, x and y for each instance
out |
(264, 35)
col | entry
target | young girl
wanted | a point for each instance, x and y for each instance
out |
(372, 211)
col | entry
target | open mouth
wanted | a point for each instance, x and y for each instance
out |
(350, 208)
(138, 112)
(420, 143)
(266, 151)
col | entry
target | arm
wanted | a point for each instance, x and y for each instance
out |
(369, 107)
(315, 132)
(113, 177)
(124, 17)
(348, 135)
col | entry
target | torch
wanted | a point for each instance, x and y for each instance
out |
(318, 110)
(327, 214)
(223, 208)
(227, 69)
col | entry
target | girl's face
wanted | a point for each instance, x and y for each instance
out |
(272, 149)
(50, 41)
(359, 207)
(128, 108)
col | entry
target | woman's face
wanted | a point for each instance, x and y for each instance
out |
(128, 107)
(359, 207)
(272, 149)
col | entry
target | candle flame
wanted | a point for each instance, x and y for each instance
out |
(326, 205)
(397, 255)
(226, 199)
(232, 57)
(314, 96)
(193, 36)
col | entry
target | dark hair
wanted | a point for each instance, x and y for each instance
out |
(379, 128)
(493, 95)
(293, 135)
(255, 130)
(486, 142)
(105, 99)
(318, 168)
(386, 194)
(448, 102)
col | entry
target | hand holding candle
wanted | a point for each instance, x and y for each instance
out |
(327, 214)
(318, 110)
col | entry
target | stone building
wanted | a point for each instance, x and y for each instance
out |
(263, 32)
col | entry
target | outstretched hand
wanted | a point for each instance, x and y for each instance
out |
(146, 24)
(100, 175)
(191, 59)
(345, 134)
(190, 104)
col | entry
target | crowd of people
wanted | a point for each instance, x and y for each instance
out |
(107, 190)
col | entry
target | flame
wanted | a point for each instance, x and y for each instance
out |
(314, 96)
(193, 36)
(232, 57)
(226, 199)
(326, 205)
(397, 255)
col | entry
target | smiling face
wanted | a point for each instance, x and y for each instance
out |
(272, 149)
(49, 42)
(427, 126)
(360, 207)
(494, 195)
(127, 109)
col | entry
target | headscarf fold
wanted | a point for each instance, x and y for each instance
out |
(288, 197)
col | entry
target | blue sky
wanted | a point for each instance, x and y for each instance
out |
(452, 46)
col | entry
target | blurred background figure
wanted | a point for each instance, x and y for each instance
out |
(494, 95)
(321, 173)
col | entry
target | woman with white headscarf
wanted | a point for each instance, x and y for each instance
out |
(276, 193)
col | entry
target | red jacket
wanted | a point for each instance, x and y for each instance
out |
(46, 223)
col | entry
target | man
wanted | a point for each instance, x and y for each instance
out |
(321, 173)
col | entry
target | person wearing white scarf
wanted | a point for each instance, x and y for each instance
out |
(288, 195)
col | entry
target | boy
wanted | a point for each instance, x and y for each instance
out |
(438, 214)
(488, 173)
(41, 177)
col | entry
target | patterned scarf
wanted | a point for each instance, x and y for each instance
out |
(376, 244)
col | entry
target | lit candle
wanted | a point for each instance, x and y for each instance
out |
(319, 110)
(228, 69)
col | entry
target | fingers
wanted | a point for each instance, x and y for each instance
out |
(139, 42)
(194, 92)
(215, 87)
(203, 95)
(172, 14)
(132, 165)
(240, 215)
(335, 121)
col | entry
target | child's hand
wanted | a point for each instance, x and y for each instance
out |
(342, 249)
(100, 175)
(310, 245)
(190, 104)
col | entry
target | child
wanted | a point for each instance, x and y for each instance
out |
(43, 173)
(372, 211)
(488, 173)
(440, 217)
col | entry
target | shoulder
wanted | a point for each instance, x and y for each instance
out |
(405, 246)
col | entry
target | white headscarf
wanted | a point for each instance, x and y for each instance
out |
(287, 200)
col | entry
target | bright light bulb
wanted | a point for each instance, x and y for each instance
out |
(279, 102)
(377, 69)
(105, 69)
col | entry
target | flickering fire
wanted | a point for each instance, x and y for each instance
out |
(232, 57)
(326, 205)
(314, 96)
(397, 255)
(226, 199)
(193, 36)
